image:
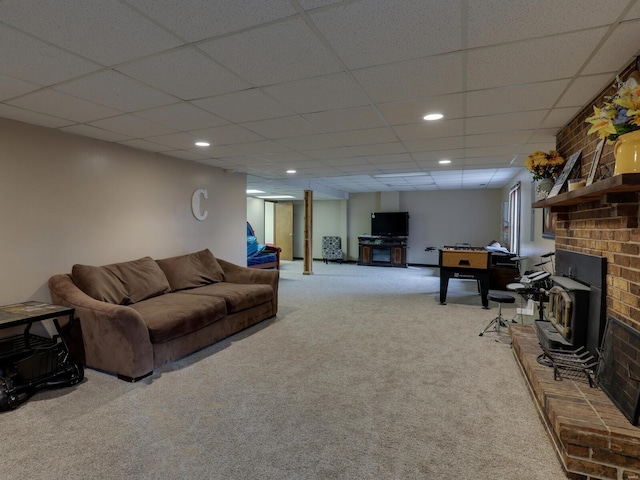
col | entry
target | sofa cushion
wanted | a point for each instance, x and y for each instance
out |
(173, 315)
(192, 270)
(238, 296)
(100, 283)
(122, 283)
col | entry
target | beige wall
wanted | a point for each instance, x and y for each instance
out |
(66, 199)
(532, 245)
(329, 219)
(437, 218)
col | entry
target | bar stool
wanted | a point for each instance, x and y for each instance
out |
(499, 321)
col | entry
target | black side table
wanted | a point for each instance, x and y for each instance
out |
(28, 362)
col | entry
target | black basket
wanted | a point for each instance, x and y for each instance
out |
(42, 362)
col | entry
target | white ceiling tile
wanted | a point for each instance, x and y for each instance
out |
(27, 116)
(182, 116)
(199, 19)
(228, 134)
(505, 122)
(94, 132)
(131, 125)
(327, 92)
(312, 4)
(436, 155)
(310, 142)
(284, 157)
(244, 106)
(514, 98)
(522, 19)
(548, 58)
(423, 77)
(262, 147)
(390, 31)
(185, 155)
(494, 151)
(166, 72)
(488, 162)
(490, 139)
(282, 127)
(117, 91)
(396, 158)
(558, 117)
(345, 161)
(424, 130)
(59, 104)
(634, 13)
(379, 148)
(108, 32)
(363, 137)
(355, 118)
(13, 87)
(145, 145)
(397, 167)
(224, 151)
(613, 56)
(435, 144)
(178, 141)
(273, 54)
(544, 135)
(584, 89)
(34, 61)
(412, 111)
(329, 153)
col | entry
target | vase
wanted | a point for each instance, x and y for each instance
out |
(543, 188)
(627, 153)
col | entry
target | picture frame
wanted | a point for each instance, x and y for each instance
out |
(595, 162)
(548, 223)
(564, 175)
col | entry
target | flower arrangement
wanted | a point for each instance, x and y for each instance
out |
(620, 113)
(544, 165)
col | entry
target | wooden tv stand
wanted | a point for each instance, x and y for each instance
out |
(382, 251)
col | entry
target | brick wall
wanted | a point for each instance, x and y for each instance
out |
(606, 227)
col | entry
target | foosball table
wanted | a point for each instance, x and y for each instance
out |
(465, 263)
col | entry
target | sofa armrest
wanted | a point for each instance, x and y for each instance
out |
(234, 273)
(115, 337)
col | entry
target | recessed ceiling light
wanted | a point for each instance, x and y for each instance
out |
(249, 191)
(444, 162)
(275, 197)
(202, 144)
(433, 116)
(291, 171)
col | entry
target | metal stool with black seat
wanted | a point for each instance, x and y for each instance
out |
(499, 321)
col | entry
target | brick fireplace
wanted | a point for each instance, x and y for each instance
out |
(593, 439)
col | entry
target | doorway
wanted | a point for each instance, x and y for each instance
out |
(283, 229)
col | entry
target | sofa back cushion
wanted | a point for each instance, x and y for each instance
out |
(192, 270)
(122, 283)
(101, 283)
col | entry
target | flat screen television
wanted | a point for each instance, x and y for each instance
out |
(390, 224)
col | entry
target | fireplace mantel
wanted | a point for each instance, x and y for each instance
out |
(625, 182)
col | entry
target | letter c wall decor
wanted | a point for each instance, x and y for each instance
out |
(195, 204)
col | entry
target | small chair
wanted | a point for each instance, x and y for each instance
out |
(331, 249)
(499, 321)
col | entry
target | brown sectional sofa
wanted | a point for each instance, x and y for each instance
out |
(133, 317)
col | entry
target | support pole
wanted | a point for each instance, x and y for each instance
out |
(308, 232)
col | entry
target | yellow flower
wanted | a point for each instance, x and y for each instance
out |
(602, 122)
(544, 165)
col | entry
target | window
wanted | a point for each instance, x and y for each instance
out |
(515, 202)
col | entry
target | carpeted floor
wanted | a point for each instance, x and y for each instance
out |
(362, 375)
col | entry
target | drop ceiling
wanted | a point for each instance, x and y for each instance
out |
(335, 90)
